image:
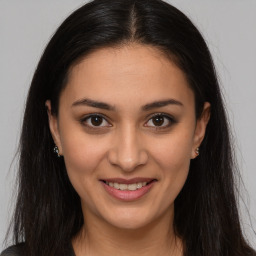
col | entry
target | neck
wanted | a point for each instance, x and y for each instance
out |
(100, 238)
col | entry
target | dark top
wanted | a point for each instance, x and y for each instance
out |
(16, 250)
(12, 251)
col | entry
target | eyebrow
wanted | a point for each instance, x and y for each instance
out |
(93, 103)
(162, 103)
(106, 106)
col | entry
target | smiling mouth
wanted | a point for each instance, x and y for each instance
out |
(128, 187)
(128, 190)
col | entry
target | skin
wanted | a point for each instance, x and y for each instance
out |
(128, 143)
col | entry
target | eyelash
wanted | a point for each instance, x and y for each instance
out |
(169, 118)
(84, 119)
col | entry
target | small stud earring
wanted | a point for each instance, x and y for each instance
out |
(197, 151)
(56, 151)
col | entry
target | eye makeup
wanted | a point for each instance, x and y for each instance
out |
(157, 121)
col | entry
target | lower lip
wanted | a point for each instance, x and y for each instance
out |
(128, 195)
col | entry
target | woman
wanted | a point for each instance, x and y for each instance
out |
(127, 96)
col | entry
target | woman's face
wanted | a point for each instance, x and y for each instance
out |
(127, 131)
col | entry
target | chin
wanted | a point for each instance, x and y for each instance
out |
(130, 219)
(130, 224)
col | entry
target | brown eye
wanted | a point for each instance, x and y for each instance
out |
(95, 121)
(160, 120)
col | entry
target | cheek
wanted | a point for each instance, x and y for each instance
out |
(82, 154)
(174, 150)
(172, 155)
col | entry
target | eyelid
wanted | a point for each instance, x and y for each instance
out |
(170, 118)
(88, 116)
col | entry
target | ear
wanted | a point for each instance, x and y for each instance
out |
(53, 125)
(200, 129)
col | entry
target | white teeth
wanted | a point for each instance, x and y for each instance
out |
(116, 185)
(139, 185)
(130, 187)
(123, 186)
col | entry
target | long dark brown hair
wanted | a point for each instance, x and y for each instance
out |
(48, 210)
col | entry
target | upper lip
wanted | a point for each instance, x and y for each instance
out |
(128, 181)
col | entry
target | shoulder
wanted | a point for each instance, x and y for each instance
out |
(15, 250)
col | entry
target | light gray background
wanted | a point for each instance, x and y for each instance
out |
(229, 26)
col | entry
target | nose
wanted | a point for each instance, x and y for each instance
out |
(127, 151)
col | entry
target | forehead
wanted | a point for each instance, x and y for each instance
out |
(136, 72)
